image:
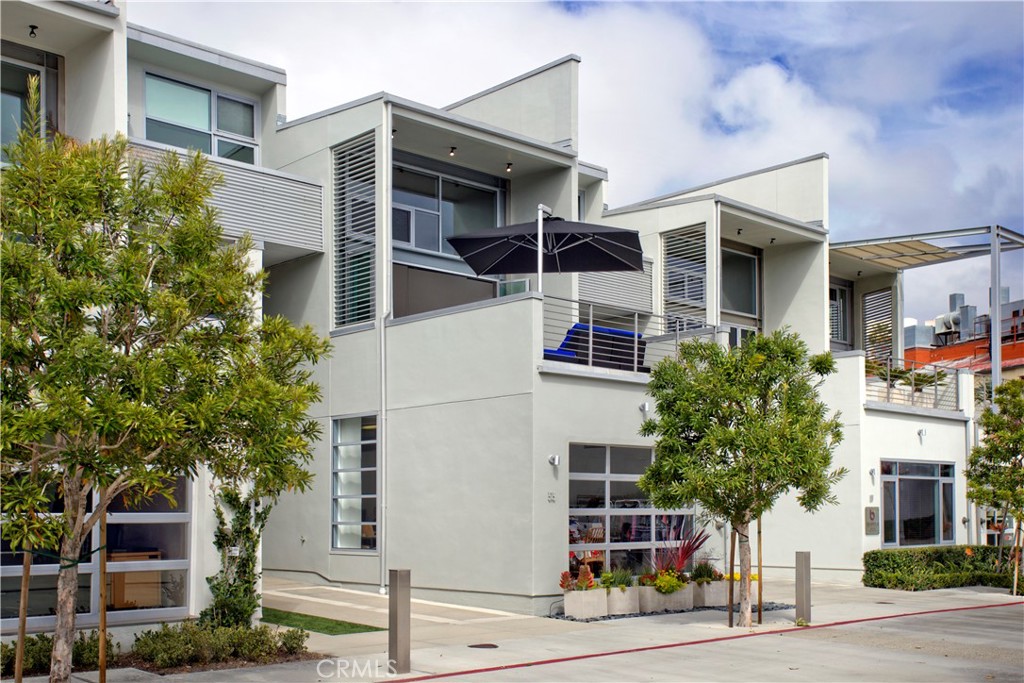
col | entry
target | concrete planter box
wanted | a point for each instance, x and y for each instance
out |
(623, 601)
(714, 594)
(653, 601)
(586, 604)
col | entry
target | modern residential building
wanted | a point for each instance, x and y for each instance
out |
(477, 431)
(99, 76)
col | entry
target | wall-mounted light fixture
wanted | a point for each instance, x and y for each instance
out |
(645, 408)
(393, 131)
(508, 167)
(451, 152)
(32, 30)
(921, 433)
(554, 459)
(871, 473)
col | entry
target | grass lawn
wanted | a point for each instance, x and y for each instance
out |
(331, 627)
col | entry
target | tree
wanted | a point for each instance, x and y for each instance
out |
(130, 351)
(738, 428)
(995, 468)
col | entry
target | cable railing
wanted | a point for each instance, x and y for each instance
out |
(905, 382)
(587, 334)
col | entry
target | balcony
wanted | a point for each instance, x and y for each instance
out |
(282, 211)
(589, 335)
(903, 382)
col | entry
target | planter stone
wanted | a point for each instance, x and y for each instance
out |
(714, 594)
(653, 601)
(623, 601)
(586, 604)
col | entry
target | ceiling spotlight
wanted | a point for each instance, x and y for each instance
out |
(32, 30)
(859, 272)
(393, 131)
(451, 152)
(508, 167)
(739, 231)
(771, 241)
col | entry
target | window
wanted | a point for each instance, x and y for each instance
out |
(611, 521)
(840, 315)
(429, 207)
(917, 503)
(148, 564)
(188, 116)
(20, 63)
(354, 483)
(739, 283)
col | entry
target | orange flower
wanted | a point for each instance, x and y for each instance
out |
(969, 552)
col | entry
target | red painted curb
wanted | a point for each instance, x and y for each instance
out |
(666, 646)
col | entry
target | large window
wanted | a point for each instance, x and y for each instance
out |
(19, 64)
(611, 521)
(917, 503)
(740, 282)
(147, 563)
(428, 207)
(187, 116)
(354, 483)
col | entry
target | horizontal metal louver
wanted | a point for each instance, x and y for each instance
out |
(625, 290)
(684, 281)
(355, 229)
(272, 207)
(878, 324)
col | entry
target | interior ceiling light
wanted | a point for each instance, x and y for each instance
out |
(32, 30)
(451, 152)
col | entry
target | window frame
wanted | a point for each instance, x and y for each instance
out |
(215, 132)
(609, 511)
(841, 343)
(362, 495)
(940, 486)
(450, 174)
(756, 259)
(91, 568)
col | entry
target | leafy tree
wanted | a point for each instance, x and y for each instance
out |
(130, 349)
(995, 468)
(738, 428)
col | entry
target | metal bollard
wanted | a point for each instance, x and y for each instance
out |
(803, 587)
(398, 620)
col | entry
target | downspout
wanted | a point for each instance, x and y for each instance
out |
(721, 336)
(995, 312)
(385, 314)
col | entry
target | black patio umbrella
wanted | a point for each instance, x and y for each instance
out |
(569, 247)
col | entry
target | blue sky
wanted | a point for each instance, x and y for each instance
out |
(919, 105)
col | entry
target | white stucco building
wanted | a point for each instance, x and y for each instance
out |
(456, 443)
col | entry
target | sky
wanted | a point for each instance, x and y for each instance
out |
(919, 105)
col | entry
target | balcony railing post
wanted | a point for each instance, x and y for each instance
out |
(636, 342)
(935, 376)
(888, 380)
(590, 334)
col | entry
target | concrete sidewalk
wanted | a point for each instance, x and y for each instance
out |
(857, 633)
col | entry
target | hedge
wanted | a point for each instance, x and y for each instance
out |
(931, 567)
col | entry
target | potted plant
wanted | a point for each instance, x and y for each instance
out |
(623, 597)
(581, 600)
(709, 589)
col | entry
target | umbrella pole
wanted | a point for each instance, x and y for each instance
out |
(541, 209)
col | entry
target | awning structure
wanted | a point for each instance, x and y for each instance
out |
(893, 254)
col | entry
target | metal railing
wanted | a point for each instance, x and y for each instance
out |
(586, 334)
(905, 382)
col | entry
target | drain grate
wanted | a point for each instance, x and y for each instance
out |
(485, 646)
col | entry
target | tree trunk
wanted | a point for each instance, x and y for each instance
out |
(743, 532)
(26, 574)
(67, 599)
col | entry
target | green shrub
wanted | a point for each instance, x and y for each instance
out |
(257, 644)
(6, 659)
(668, 582)
(197, 643)
(85, 653)
(934, 567)
(37, 652)
(620, 578)
(293, 641)
(704, 572)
